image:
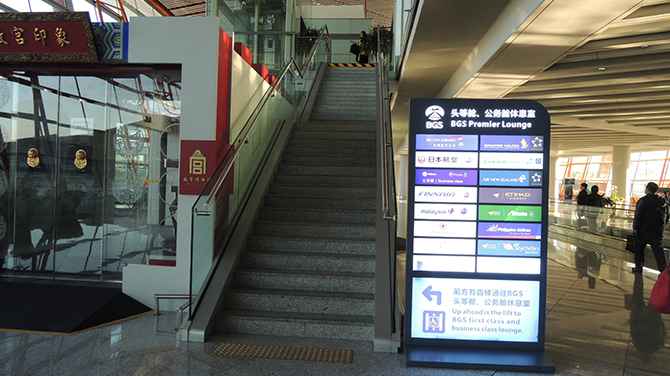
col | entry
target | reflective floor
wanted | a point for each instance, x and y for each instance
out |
(598, 323)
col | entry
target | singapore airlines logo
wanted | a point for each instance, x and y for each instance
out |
(524, 144)
(434, 113)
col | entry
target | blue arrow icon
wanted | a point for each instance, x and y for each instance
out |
(428, 293)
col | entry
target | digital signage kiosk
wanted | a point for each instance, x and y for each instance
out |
(477, 234)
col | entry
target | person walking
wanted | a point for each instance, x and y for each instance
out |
(362, 57)
(651, 216)
(595, 203)
(582, 198)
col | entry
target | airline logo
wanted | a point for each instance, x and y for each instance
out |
(444, 211)
(446, 142)
(445, 229)
(446, 177)
(531, 196)
(504, 230)
(438, 246)
(445, 194)
(511, 143)
(518, 248)
(510, 178)
(523, 161)
(510, 213)
(446, 159)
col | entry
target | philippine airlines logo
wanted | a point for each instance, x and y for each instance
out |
(434, 113)
(493, 228)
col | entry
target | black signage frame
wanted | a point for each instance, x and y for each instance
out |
(450, 132)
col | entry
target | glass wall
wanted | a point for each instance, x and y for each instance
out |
(597, 170)
(89, 159)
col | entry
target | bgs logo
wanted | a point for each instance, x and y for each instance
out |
(434, 113)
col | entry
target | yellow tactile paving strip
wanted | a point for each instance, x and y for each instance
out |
(289, 353)
(350, 65)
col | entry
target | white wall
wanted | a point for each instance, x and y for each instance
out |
(333, 11)
(193, 43)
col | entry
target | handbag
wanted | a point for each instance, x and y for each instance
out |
(632, 243)
(660, 293)
(354, 49)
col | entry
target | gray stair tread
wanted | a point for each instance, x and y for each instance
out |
(307, 238)
(310, 255)
(307, 293)
(302, 223)
(362, 240)
(345, 319)
(307, 272)
(324, 211)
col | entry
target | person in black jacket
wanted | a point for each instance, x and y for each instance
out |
(651, 216)
(596, 202)
(582, 198)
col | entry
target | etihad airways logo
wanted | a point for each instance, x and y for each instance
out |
(510, 195)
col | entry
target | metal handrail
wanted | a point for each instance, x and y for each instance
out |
(245, 138)
(383, 127)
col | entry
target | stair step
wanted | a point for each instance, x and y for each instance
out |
(308, 261)
(340, 116)
(318, 215)
(312, 245)
(343, 171)
(329, 160)
(335, 127)
(357, 144)
(330, 230)
(330, 192)
(320, 203)
(332, 152)
(311, 302)
(305, 280)
(296, 325)
(325, 180)
(333, 135)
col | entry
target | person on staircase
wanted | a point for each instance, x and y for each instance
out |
(362, 57)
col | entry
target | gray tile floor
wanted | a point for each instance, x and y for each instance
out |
(589, 329)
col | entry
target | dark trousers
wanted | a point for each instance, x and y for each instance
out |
(655, 241)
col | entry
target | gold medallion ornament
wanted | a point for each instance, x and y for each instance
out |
(33, 157)
(80, 159)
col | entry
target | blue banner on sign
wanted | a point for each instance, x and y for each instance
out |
(509, 178)
(509, 230)
(518, 248)
(446, 142)
(446, 177)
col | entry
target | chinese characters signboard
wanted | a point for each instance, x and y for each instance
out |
(197, 164)
(46, 37)
(477, 233)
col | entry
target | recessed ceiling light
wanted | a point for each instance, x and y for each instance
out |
(602, 69)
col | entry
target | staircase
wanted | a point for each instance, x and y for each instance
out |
(309, 267)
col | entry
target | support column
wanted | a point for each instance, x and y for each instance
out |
(620, 165)
(553, 167)
(401, 174)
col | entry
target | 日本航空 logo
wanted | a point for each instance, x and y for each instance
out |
(435, 115)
